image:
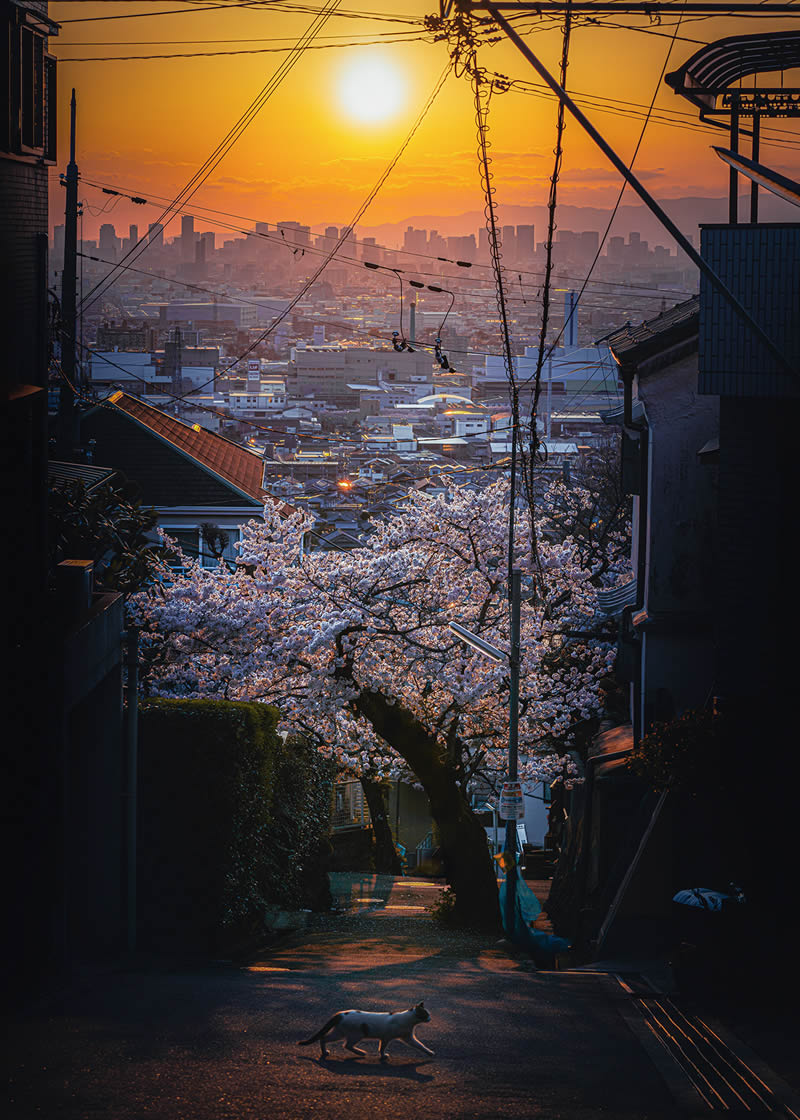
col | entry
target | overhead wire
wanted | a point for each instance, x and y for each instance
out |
(530, 458)
(201, 213)
(346, 231)
(482, 92)
(623, 185)
(233, 134)
(264, 5)
(407, 38)
(346, 328)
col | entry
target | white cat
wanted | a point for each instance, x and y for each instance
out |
(354, 1026)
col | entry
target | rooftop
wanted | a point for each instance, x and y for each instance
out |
(633, 344)
(227, 460)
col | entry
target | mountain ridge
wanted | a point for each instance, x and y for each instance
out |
(688, 213)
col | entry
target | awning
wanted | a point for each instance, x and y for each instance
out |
(713, 69)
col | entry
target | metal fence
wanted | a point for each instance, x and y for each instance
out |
(349, 809)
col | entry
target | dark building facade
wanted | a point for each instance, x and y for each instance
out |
(27, 149)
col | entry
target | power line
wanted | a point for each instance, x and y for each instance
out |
(249, 50)
(348, 229)
(345, 233)
(271, 5)
(648, 291)
(624, 182)
(233, 134)
(388, 35)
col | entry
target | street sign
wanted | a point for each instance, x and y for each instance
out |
(512, 804)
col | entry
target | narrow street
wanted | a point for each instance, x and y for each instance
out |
(221, 1040)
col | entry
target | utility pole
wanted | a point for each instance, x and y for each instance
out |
(514, 594)
(680, 239)
(511, 801)
(67, 404)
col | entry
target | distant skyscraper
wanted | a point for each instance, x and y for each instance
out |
(155, 235)
(108, 237)
(332, 232)
(187, 237)
(200, 257)
(415, 240)
(462, 248)
(437, 245)
(369, 250)
(526, 244)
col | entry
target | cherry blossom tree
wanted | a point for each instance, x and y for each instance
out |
(354, 650)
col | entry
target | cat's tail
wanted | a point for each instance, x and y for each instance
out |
(331, 1023)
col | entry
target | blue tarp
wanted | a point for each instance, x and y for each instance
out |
(527, 909)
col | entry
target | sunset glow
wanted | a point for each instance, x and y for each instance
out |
(156, 94)
(371, 90)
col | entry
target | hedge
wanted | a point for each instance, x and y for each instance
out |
(232, 821)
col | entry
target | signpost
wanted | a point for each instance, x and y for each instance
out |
(512, 805)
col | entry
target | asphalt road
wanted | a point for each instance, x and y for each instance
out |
(224, 1044)
(221, 1042)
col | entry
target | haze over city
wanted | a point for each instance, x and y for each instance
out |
(318, 145)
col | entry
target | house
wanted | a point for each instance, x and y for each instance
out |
(192, 477)
(664, 618)
(32, 815)
(666, 425)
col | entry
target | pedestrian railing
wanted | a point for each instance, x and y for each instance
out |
(349, 808)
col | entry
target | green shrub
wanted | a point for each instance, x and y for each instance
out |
(443, 910)
(232, 820)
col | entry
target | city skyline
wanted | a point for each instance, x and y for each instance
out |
(316, 148)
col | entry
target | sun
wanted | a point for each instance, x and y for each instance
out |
(371, 90)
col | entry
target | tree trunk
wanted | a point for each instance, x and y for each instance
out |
(387, 859)
(465, 853)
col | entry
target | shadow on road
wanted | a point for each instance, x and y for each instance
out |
(348, 1066)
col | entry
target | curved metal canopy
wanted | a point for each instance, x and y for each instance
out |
(714, 68)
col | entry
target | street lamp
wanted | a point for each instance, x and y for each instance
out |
(512, 660)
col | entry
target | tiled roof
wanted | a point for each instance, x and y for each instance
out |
(631, 344)
(220, 456)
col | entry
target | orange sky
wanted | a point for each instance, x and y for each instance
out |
(148, 125)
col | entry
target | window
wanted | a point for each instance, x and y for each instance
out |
(31, 76)
(186, 539)
(218, 542)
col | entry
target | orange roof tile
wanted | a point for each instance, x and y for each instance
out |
(228, 460)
